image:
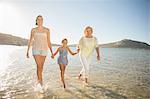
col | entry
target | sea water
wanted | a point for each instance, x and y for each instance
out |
(121, 73)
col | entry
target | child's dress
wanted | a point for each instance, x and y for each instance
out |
(62, 59)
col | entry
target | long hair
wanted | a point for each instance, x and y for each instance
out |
(37, 18)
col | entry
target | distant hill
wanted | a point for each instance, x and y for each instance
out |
(7, 39)
(126, 43)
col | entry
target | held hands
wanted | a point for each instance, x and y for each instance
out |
(52, 56)
(78, 50)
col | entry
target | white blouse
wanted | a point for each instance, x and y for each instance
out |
(40, 41)
(87, 45)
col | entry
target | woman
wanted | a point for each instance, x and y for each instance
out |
(87, 44)
(40, 40)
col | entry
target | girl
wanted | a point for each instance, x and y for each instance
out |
(40, 37)
(87, 44)
(62, 59)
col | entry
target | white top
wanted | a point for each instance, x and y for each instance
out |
(40, 41)
(87, 45)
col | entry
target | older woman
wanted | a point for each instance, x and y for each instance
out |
(86, 45)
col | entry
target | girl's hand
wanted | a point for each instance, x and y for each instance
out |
(98, 57)
(52, 54)
(27, 55)
(74, 53)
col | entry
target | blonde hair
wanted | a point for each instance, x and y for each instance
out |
(88, 27)
(37, 18)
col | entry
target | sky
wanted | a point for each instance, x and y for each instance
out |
(112, 20)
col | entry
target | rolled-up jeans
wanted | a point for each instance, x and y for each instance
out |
(85, 61)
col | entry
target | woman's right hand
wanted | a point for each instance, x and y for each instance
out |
(98, 57)
(27, 55)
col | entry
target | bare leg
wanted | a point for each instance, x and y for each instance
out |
(62, 69)
(42, 58)
(81, 72)
(40, 62)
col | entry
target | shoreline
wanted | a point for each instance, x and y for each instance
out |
(116, 76)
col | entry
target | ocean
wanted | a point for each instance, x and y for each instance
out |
(122, 73)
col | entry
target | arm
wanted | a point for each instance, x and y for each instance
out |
(98, 53)
(97, 48)
(55, 53)
(71, 51)
(30, 42)
(49, 42)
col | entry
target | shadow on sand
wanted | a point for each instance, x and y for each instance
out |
(103, 93)
(96, 92)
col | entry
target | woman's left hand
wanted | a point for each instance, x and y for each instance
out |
(98, 57)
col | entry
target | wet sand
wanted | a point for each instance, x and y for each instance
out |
(116, 76)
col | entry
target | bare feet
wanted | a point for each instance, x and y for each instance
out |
(79, 77)
(64, 85)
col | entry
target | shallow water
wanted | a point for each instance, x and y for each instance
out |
(121, 74)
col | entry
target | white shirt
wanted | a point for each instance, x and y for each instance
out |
(40, 41)
(87, 45)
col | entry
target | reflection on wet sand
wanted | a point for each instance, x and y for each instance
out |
(121, 74)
